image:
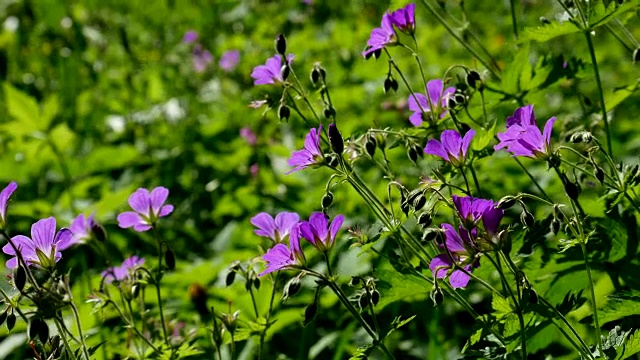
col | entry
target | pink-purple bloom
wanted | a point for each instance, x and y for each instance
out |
(436, 103)
(404, 19)
(451, 146)
(471, 210)
(190, 36)
(275, 229)
(44, 247)
(229, 60)
(5, 194)
(319, 232)
(201, 58)
(124, 271)
(148, 208)
(381, 37)
(311, 154)
(82, 228)
(281, 256)
(523, 137)
(271, 71)
(249, 136)
(459, 248)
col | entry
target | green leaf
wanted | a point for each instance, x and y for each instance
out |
(518, 74)
(394, 286)
(482, 139)
(23, 108)
(602, 15)
(618, 309)
(630, 347)
(549, 31)
(50, 109)
(501, 306)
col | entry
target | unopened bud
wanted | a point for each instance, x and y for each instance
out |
(20, 278)
(315, 75)
(332, 160)
(581, 136)
(572, 189)
(231, 277)
(375, 297)
(364, 300)
(99, 232)
(430, 234)
(310, 312)
(256, 283)
(404, 204)
(327, 200)
(473, 79)
(460, 100)
(526, 218)
(355, 281)
(425, 219)
(335, 138)
(291, 288)
(532, 296)
(11, 321)
(412, 154)
(39, 328)
(281, 44)
(329, 112)
(555, 226)
(636, 55)
(285, 70)
(370, 145)
(419, 202)
(506, 202)
(377, 53)
(284, 112)
(135, 291)
(170, 259)
(544, 20)
(387, 85)
(599, 174)
(436, 296)
(451, 102)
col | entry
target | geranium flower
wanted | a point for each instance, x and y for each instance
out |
(471, 210)
(281, 257)
(229, 60)
(523, 137)
(82, 228)
(190, 36)
(311, 154)
(5, 194)
(271, 71)
(44, 247)
(381, 37)
(437, 97)
(201, 58)
(248, 135)
(148, 208)
(404, 19)
(319, 232)
(124, 271)
(451, 147)
(275, 229)
(461, 250)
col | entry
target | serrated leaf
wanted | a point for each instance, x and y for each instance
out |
(501, 306)
(602, 15)
(630, 347)
(394, 285)
(23, 108)
(482, 139)
(549, 31)
(517, 75)
(618, 309)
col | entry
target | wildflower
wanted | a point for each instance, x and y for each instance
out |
(190, 36)
(275, 229)
(271, 71)
(437, 101)
(523, 137)
(381, 37)
(311, 154)
(282, 257)
(459, 249)
(248, 135)
(404, 19)
(201, 58)
(148, 208)
(82, 228)
(124, 271)
(44, 247)
(451, 146)
(319, 232)
(471, 210)
(257, 104)
(5, 194)
(229, 60)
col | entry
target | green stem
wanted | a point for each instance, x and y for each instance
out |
(514, 21)
(157, 285)
(585, 348)
(596, 72)
(63, 337)
(592, 292)
(268, 317)
(74, 309)
(132, 326)
(253, 301)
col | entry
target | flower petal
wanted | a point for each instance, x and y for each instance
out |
(265, 224)
(458, 279)
(434, 147)
(548, 128)
(335, 227)
(319, 226)
(63, 239)
(165, 210)
(439, 265)
(157, 198)
(129, 219)
(466, 141)
(42, 233)
(452, 143)
(139, 201)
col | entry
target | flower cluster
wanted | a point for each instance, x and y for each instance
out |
(403, 19)
(201, 57)
(126, 270)
(311, 153)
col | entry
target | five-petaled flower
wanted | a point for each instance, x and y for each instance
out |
(44, 247)
(190, 36)
(229, 60)
(5, 194)
(451, 146)
(124, 271)
(459, 248)
(471, 210)
(523, 137)
(319, 232)
(281, 256)
(436, 103)
(271, 71)
(148, 208)
(381, 37)
(310, 154)
(404, 19)
(275, 229)
(82, 228)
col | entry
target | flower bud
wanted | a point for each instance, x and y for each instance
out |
(473, 79)
(331, 160)
(581, 136)
(526, 218)
(451, 102)
(370, 145)
(375, 297)
(291, 288)
(284, 112)
(387, 85)
(285, 70)
(599, 174)
(355, 281)
(256, 283)
(281, 44)
(135, 291)
(377, 53)
(506, 202)
(425, 219)
(636, 55)
(572, 189)
(39, 328)
(412, 154)
(315, 75)
(327, 200)
(404, 204)
(364, 300)
(231, 277)
(170, 259)
(430, 234)
(419, 202)
(544, 20)
(20, 278)
(230, 321)
(11, 321)
(310, 312)
(335, 138)
(555, 226)
(531, 296)
(329, 112)
(436, 296)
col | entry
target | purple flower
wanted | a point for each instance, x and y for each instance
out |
(471, 210)
(404, 19)
(436, 103)
(310, 154)
(82, 228)
(275, 229)
(124, 271)
(460, 249)
(190, 37)
(270, 72)
(523, 137)
(282, 257)
(229, 60)
(148, 208)
(451, 146)
(201, 58)
(4, 200)
(319, 232)
(248, 135)
(43, 248)
(381, 37)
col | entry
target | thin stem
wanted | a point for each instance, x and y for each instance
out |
(268, 317)
(566, 322)
(157, 285)
(514, 21)
(592, 292)
(596, 72)
(373, 315)
(253, 301)
(74, 309)
(63, 337)
(132, 326)
(535, 182)
(475, 180)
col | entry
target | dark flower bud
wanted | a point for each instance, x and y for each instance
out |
(451, 102)
(394, 85)
(375, 297)
(364, 300)
(329, 112)
(572, 189)
(20, 278)
(377, 53)
(555, 226)
(99, 233)
(473, 78)
(419, 202)
(11, 321)
(230, 321)
(335, 138)
(368, 56)
(526, 218)
(332, 160)
(284, 112)
(3, 316)
(581, 136)
(256, 283)
(291, 288)
(506, 202)
(370, 145)
(544, 20)
(281, 44)
(436, 296)
(135, 291)
(460, 99)
(430, 234)
(532, 296)
(404, 204)
(558, 214)
(355, 281)
(315, 75)
(327, 200)
(310, 312)
(412, 154)
(636, 55)
(170, 259)
(39, 328)
(198, 296)
(285, 70)
(505, 241)
(587, 101)
(425, 219)
(231, 277)
(387, 85)
(599, 174)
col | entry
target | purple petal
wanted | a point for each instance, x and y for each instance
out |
(548, 128)
(422, 101)
(434, 89)
(63, 239)
(285, 221)
(335, 227)
(319, 226)
(439, 265)
(141, 227)
(491, 220)
(165, 210)
(4, 199)
(157, 198)
(458, 279)
(452, 143)
(523, 116)
(129, 219)
(139, 201)
(452, 239)
(277, 258)
(42, 234)
(12, 263)
(434, 147)
(307, 233)
(265, 224)
(466, 141)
